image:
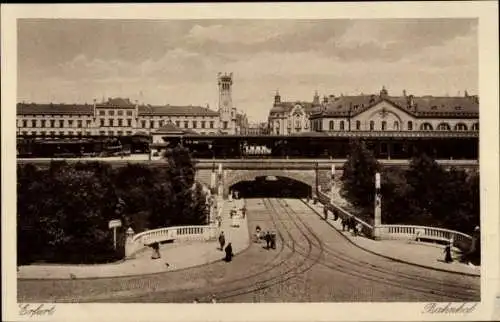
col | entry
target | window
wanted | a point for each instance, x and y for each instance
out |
(410, 125)
(102, 122)
(202, 124)
(33, 132)
(52, 133)
(120, 122)
(25, 133)
(358, 125)
(70, 123)
(331, 125)
(89, 123)
(25, 123)
(102, 132)
(384, 125)
(43, 133)
(161, 123)
(426, 127)
(129, 122)
(120, 133)
(475, 127)
(186, 124)
(88, 133)
(143, 124)
(211, 124)
(102, 113)
(341, 125)
(111, 133)
(225, 124)
(79, 133)
(111, 122)
(80, 123)
(43, 123)
(52, 123)
(61, 133)
(129, 113)
(33, 124)
(396, 126)
(178, 123)
(129, 132)
(460, 127)
(70, 132)
(151, 124)
(111, 113)
(120, 113)
(195, 124)
(443, 127)
(372, 125)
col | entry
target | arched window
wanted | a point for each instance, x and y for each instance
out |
(395, 127)
(443, 127)
(384, 125)
(331, 125)
(358, 125)
(460, 127)
(475, 127)
(426, 127)
(372, 125)
(341, 125)
(410, 126)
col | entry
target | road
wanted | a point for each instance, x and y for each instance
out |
(312, 263)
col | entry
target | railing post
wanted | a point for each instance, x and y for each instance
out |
(377, 234)
(129, 244)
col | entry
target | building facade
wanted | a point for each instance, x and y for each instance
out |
(115, 117)
(396, 113)
(122, 117)
(286, 118)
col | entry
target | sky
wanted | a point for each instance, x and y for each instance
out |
(176, 61)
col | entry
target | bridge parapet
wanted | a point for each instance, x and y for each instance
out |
(179, 233)
(402, 232)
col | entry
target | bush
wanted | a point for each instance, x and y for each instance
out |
(63, 212)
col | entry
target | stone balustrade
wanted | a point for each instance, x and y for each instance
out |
(404, 232)
(137, 242)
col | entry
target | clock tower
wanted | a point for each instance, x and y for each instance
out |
(226, 110)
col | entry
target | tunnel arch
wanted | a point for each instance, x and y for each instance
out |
(236, 176)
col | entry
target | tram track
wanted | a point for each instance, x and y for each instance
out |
(376, 273)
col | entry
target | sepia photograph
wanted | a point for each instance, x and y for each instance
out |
(195, 160)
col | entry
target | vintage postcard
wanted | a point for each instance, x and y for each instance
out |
(241, 162)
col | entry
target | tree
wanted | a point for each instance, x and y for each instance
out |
(359, 177)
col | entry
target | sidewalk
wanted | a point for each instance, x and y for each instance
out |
(426, 255)
(177, 255)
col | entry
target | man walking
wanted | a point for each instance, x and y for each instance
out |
(222, 240)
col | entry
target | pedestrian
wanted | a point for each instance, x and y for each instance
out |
(343, 222)
(325, 213)
(213, 299)
(359, 228)
(156, 250)
(273, 240)
(196, 301)
(229, 252)
(268, 239)
(447, 254)
(243, 211)
(222, 240)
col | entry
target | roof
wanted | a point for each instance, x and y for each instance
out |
(176, 110)
(170, 128)
(288, 106)
(117, 102)
(54, 109)
(424, 106)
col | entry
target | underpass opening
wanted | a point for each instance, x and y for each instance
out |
(272, 187)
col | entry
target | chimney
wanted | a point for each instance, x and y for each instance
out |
(404, 92)
(466, 94)
(411, 102)
(277, 98)
(383, 92)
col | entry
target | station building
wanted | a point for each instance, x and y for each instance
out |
(376, 112)
(121, 117)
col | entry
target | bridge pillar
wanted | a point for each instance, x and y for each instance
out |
(129, 245)
(378, 209)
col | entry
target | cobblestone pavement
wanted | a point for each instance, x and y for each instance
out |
(312, 263)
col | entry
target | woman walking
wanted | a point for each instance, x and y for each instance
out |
(229, 252)
(222, 240)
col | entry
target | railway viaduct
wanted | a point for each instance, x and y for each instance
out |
(314, 173)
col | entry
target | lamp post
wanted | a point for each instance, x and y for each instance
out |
(378, 208)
